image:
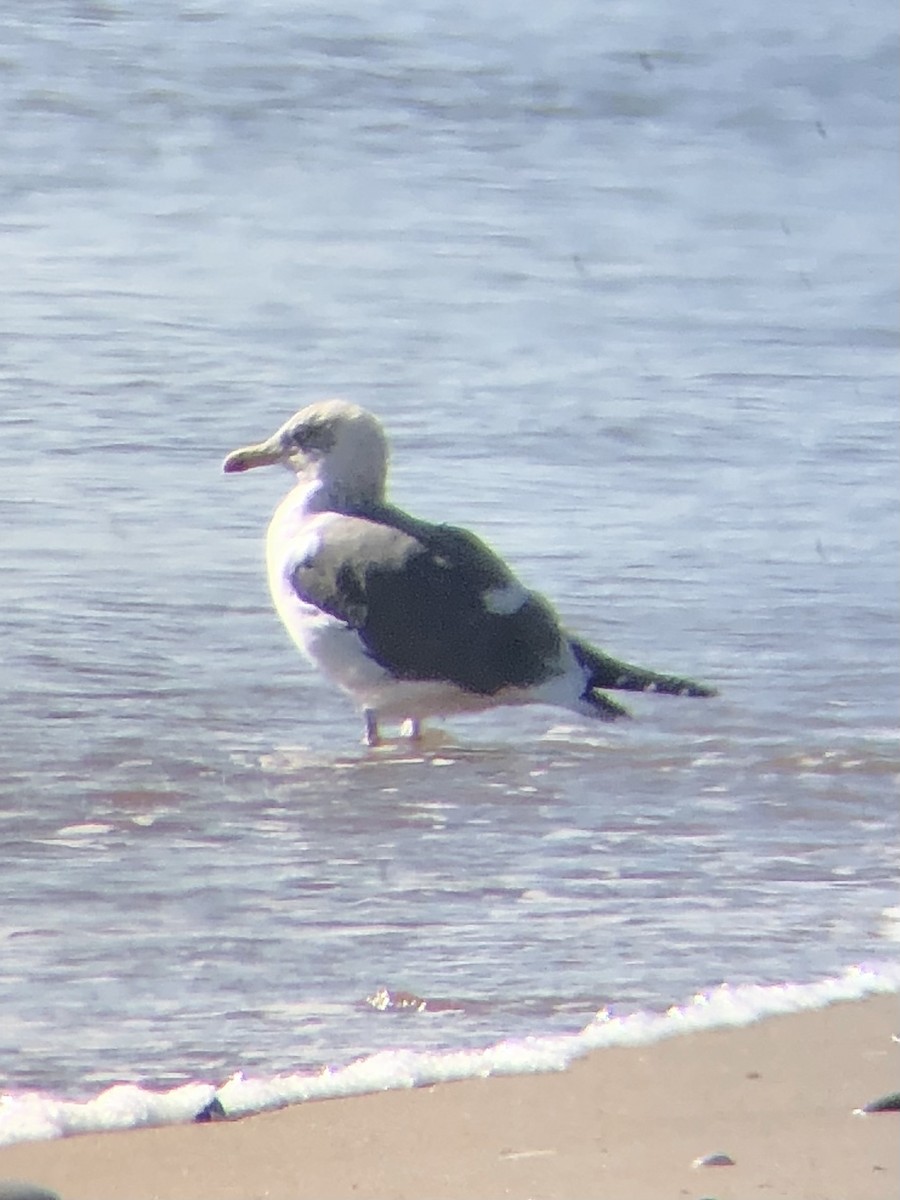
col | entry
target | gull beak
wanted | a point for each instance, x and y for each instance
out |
(266, 454)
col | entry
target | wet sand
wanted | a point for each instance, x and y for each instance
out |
(777, 1097)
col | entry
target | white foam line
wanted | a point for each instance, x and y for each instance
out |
(35, 1117)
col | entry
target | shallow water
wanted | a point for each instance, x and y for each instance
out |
(620, 293)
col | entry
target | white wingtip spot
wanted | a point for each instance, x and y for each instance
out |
(504, 601)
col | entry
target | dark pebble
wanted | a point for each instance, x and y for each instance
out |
(15, 1189)
(213, 1111)
(889, 1103)
(714, 1160)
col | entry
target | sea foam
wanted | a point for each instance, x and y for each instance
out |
(36, 1117)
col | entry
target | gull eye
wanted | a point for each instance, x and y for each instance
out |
(317, 435)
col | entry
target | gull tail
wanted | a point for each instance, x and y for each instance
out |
(602, 671)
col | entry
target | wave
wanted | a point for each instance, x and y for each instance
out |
(37, 1117)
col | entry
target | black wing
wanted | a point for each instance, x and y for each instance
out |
(420, 599)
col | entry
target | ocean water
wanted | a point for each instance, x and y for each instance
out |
(621, 286)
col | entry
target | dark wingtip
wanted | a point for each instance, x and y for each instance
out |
(604, 708)
(665, 685)
(603, 671)
(698, 689)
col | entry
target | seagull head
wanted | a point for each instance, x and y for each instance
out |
(339, 444)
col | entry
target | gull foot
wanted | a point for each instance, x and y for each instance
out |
(371, 737)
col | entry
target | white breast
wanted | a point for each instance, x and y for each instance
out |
(328, 643)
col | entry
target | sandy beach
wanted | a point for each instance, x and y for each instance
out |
(776, 1097)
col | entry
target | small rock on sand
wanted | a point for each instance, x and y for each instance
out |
(16, 1189)
(888, 1103)
(713, 1160)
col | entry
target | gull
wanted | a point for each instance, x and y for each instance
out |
(413, 619)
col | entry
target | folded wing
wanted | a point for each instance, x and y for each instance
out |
(431, 602)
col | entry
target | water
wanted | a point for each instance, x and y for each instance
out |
(620, 292)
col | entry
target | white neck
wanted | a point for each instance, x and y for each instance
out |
(319, 494)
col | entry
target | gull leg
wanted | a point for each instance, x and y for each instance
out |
(412, 729)
(371, 737)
